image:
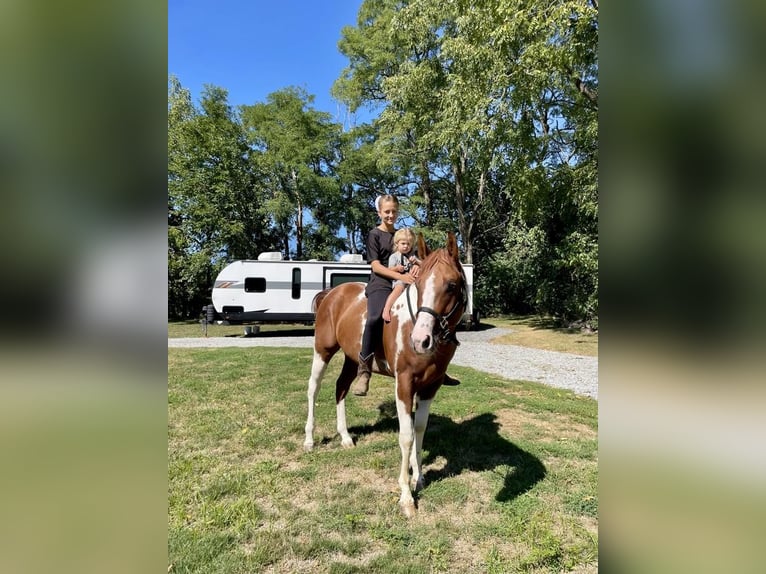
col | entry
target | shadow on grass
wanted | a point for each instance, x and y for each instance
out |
(480, 327)
(471, 445)
(537, 323)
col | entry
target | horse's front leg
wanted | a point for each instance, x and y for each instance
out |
(318, 368)
(421, 422)
(406, 444)
(347, 375)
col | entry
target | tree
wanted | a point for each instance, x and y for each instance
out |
(214, 197)
(364, 174)
(295, 148)
(490, 109)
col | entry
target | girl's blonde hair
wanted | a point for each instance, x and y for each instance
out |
(387, 197)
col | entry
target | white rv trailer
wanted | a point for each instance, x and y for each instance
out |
(271, 289)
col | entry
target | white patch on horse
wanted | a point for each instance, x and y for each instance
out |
(362, 316)
(401, 311)
(398, 346)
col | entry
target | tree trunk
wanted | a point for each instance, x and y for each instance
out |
(425, 185)
(299, 232)
(458, 170)
(298, 218)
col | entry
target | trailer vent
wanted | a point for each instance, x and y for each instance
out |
(351, 258)
(270, 256)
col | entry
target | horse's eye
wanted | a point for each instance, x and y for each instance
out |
(451, 286)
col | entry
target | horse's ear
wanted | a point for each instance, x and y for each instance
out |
(452, 247)
(422, 247)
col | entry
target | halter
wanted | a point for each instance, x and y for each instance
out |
(445, 334)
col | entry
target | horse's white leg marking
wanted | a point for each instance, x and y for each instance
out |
(340, 413)
(422, 339)
(406, 441)
(318, 368)
(421, 422)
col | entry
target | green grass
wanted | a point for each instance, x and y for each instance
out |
(177, 329)
(510, 466)
(543, 333)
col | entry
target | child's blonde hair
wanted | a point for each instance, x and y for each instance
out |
(404, 233)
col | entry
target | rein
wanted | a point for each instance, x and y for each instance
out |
(446, 334)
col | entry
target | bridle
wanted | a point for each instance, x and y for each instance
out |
(446, 333)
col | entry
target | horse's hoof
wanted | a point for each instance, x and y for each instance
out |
(308, 446)
(409, 509)
(347, 443)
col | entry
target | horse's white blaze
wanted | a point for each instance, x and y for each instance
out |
(422, 332)
(318, 368)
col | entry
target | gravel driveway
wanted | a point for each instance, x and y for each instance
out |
(576, 373)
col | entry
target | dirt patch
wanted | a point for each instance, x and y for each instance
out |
(517, 422)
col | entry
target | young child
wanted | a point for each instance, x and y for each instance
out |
(401, 260)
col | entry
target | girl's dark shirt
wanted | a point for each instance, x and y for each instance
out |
(379, 248)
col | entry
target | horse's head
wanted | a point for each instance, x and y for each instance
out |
(442, 296)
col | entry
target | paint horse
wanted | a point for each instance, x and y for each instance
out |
(417, 346)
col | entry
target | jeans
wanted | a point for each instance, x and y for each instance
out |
(373, 328)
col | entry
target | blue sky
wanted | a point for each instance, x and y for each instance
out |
(253, 48)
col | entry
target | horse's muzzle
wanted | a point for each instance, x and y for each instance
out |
(422, 338)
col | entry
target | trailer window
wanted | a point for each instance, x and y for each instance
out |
(296, 283)
(255, 285)
(338, 278)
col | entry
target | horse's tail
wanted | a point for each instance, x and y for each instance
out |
(317, 300)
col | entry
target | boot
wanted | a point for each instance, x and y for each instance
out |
(449, 381)
(362, 383)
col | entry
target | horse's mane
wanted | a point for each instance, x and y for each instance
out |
(434, 257)
(441, 255)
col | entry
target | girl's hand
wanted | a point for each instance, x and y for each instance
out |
(406, 278)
